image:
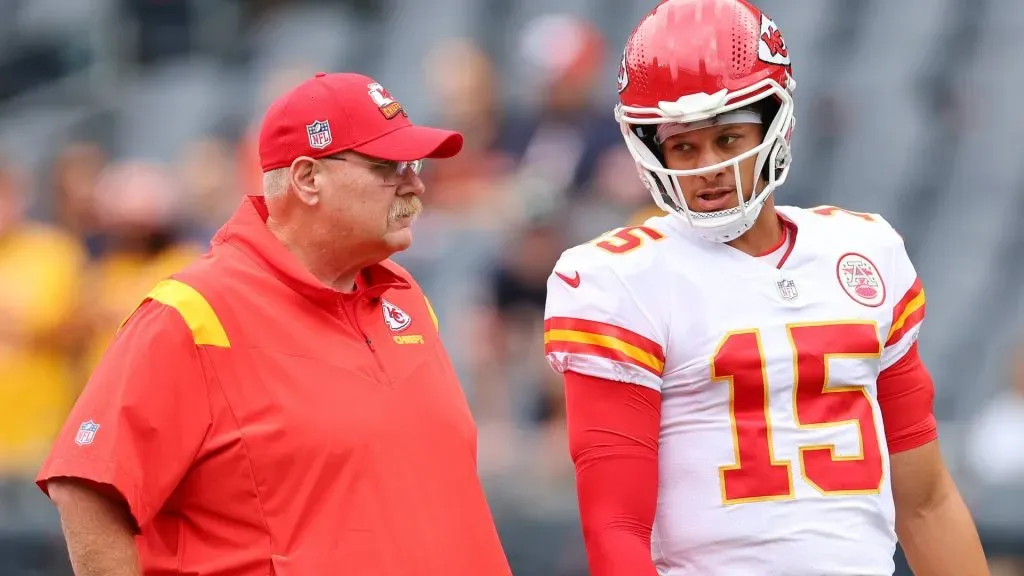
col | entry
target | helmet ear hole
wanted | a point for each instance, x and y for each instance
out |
(769, 109)
(650, 152)
(653, 183)
(646, 150)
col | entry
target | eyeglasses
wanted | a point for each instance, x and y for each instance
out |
(390, 170)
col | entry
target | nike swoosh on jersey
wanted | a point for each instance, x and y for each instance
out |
(573, 282)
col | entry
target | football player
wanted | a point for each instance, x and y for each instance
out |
(743, 384)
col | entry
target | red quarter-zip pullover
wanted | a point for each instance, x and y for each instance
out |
(257, 422)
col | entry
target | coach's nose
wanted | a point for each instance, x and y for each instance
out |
(412, 184)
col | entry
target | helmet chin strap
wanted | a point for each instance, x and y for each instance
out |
(724, 234)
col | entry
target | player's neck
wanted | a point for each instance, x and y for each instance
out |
(763, 236)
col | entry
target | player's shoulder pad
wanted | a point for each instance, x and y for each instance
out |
(624, 253)
(191, 306)
(868, 224)
(602, 279)
(598, 298)
(583, 272)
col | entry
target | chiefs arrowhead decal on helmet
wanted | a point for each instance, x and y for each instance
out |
(772, 48)
(623, 78)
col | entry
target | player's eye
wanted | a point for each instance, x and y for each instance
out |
(681, 147)
(728, 139)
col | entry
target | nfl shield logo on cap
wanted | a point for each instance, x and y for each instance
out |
(86, 433)
(319, 134)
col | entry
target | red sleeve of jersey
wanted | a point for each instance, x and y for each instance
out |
(613, 438)
(905, 397)
(141, 419)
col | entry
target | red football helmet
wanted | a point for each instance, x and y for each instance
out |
(689, 61)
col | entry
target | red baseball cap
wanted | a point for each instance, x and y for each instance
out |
(330, 113)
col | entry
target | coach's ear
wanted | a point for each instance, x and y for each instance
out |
(306, 176)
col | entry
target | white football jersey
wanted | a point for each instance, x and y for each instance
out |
(772, 455)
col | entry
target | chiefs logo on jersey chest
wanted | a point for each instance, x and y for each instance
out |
(395, 318)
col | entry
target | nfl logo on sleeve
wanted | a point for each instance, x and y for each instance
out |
(86, 433)
(319, 133)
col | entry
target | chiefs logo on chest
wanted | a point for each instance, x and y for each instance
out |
(395, 318)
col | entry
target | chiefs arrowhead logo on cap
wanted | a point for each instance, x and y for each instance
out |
(388, 107)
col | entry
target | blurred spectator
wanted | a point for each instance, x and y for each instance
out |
(996, 441)
(40, 270)
(616, 197)
(514, 361)
(476, 181)
(559, 141)
(74, 172)
(248, 173)
(548, 415)
(506, 357)
(210, 190)
(165, 29)
(138, 209)
(471, 199)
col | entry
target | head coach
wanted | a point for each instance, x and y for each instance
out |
(284, 406)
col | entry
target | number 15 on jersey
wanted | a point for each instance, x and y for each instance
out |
(819, 401)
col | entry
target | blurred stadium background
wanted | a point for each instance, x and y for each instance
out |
(126, 138)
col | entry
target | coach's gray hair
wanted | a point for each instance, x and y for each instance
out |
(275, 182)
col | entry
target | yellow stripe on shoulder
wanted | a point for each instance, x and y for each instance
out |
(433, 317)
(912, 306)
(194, 309)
